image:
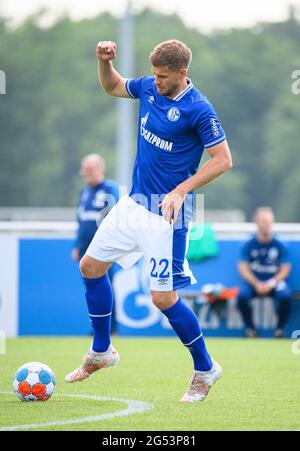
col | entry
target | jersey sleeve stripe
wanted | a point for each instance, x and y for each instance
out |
(213, 143)
(128, 89)
(183, 93)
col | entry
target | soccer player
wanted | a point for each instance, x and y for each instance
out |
(264, 265)
(176, 124)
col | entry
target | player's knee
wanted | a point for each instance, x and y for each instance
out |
(242, 299)
(284, 299)
(164, 300)
(90, 268)
(86, 268)
(245, 296)
(284, 295)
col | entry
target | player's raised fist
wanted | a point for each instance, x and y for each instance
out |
(106, 50)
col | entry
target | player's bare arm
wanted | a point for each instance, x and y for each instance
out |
(261, 288)
(219, 163)
(247, 274)
(111, 81)
(282, 274)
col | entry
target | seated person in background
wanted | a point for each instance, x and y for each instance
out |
(264, 266)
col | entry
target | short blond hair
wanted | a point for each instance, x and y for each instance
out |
(173, 53)
(94, 157)
(261, 210)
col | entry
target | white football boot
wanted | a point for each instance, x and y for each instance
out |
(201, 382)
(93, 361)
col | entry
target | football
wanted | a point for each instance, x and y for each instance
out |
(34, 381)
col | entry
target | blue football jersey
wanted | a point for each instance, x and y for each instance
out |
(172, 135)
(94, 204)
(264, 259)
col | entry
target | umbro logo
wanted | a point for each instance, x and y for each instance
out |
(151, 99)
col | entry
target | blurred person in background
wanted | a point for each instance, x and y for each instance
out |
(264, 265)
(96, 199)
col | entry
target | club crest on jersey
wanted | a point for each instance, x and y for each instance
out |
(173, 114)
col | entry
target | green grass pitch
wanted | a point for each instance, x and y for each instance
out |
(259, 390)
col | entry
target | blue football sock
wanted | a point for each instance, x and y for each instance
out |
(186, 325)
(99, 299)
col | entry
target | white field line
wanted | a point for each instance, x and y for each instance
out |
(132, 407)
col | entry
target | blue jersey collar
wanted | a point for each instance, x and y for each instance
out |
(183, 93)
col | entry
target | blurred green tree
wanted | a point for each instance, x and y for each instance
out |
(54, 111)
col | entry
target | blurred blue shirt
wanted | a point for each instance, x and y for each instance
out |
(264, 259)
(94, 204)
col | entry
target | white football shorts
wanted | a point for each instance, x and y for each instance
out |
(130, 231)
